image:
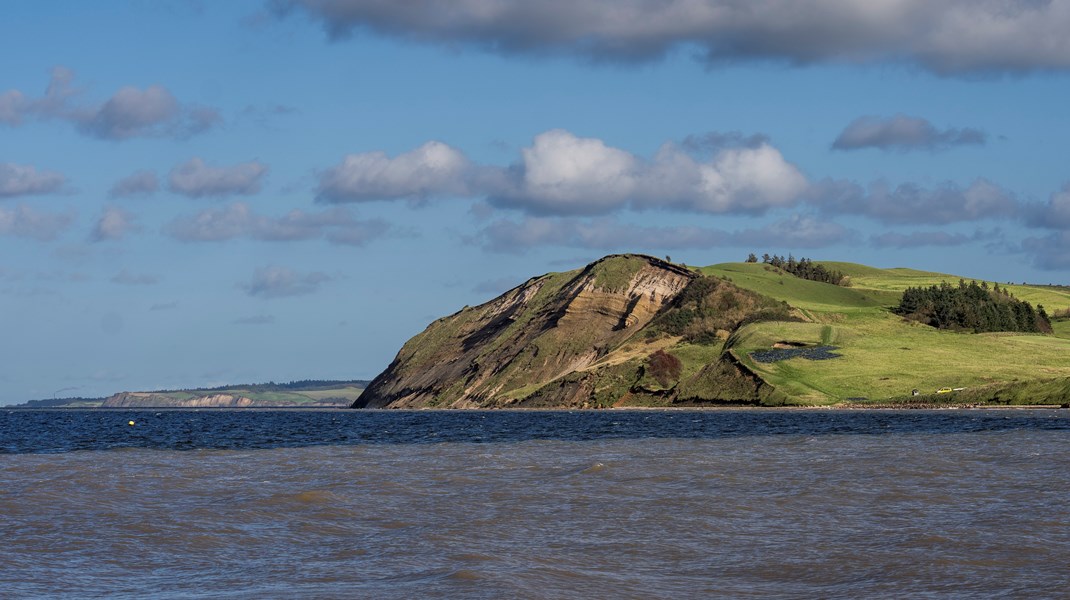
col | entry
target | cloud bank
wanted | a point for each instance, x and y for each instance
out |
(942, 36)
(910, 203)
(564, 174)
(607, 233)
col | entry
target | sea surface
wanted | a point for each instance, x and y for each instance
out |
(547, 504)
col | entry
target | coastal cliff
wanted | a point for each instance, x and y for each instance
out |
(585, 338)
(151, 400)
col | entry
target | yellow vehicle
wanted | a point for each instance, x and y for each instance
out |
(944, 391)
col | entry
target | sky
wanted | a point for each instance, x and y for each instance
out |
(200, 193)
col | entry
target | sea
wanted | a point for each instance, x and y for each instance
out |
(722, 503)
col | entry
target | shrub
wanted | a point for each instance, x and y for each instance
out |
(664, 367)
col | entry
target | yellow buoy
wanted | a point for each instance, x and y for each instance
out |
(130, 423)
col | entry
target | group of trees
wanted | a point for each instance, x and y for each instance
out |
(973, 307)
(804, 268)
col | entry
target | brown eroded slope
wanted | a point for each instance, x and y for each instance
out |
(544, 329)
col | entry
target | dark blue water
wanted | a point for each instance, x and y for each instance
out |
(249, 504)
(49, 431)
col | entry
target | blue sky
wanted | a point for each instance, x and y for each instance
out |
(200, 193)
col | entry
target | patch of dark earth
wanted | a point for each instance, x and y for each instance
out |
(779, 354)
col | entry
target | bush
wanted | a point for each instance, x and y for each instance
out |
(664, 367)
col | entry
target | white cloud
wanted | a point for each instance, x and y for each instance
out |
(564, 174)
(433, 169)
(23, 221)
(944, 36)
(196, 179)
(24, 180)
(279, 282)
(114, 223)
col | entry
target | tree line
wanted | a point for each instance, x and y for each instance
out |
(972, 307)
(803, 268)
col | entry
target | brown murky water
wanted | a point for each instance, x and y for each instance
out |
(843, 511)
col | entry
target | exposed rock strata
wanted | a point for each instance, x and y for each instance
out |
(545, 343)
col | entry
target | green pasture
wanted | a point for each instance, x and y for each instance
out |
(884, 356)
(349, 393)
(897, 280)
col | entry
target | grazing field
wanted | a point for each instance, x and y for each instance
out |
(882, 355)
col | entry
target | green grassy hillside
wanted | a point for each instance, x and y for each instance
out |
(884, 356)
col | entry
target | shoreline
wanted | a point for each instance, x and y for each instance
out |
(851, 407)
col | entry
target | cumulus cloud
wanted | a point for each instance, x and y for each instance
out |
(280, 282)
(140, 183)
(125, 277)
(903, 133)
(23, 221)
(130, 112)
(239, 221)
(564, 174)
(25, 180)
(910, 203)
(196, 179)
(944, 36)
(433, 169)
(1055, 214)
(114, 223)
(606, 233)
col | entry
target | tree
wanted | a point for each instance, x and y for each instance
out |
(752, 258)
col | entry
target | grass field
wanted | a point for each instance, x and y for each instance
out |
(884, 356)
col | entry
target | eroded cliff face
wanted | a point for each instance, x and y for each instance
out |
(150, 400)
(210, 400)
(501, 352)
